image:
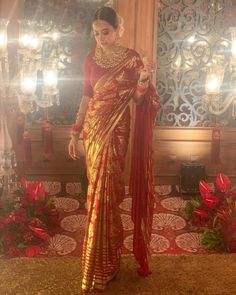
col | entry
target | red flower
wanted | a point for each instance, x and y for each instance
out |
(222, 182)
(36, 190)
(24, 183)
(40, 233)
(216, 213)
(198, 220)
(32, 251)
(23, 226)
(200, 212)
(210, 202)
(205, 189)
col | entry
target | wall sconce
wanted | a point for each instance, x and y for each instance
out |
(38, 66)
(214, 79)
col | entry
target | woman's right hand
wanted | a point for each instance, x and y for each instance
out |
(73, 148)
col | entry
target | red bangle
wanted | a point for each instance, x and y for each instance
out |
(76, 128)
(141, 89)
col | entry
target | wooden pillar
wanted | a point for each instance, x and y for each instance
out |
(140, 22)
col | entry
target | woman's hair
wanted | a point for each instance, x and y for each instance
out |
(107, 14)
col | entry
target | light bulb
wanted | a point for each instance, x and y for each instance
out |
(3, 40)
(50, 78)
(28, 85)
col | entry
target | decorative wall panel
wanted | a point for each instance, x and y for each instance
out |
(192, 34)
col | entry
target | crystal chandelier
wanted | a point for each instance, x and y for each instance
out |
(216, 101)
(47, 33)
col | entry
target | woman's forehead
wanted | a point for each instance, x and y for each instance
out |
(99, 25)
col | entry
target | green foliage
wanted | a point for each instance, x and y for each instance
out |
(212, 239)
(190, 206)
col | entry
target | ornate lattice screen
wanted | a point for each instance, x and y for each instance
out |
(191, 34)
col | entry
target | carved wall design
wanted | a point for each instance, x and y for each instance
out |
(191, 34)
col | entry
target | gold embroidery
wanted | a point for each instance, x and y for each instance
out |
(121, 77)
(132, 63)
(111, 57)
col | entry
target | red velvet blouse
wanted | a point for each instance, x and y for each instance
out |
(93, 72)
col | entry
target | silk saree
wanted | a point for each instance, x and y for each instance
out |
(106, 133)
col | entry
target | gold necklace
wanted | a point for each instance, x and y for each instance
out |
(110, 57)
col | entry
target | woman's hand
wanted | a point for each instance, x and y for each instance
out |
(73, 148)
(147, 70)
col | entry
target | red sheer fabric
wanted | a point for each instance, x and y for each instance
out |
(141, 178)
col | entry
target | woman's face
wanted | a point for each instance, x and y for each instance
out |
(104, 33)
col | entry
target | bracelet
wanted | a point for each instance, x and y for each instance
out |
(76, 128)
(141, 89)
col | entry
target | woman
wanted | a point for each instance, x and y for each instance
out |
(112, 76)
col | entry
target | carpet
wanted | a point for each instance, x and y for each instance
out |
(171, 233)
(171, 275)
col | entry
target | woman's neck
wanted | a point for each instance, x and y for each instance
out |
(110, 48)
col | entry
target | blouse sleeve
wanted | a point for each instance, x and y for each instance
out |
(139, 62)
(135, 65)
(87, 89)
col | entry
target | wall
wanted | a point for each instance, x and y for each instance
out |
(140, 23)
(172, 146)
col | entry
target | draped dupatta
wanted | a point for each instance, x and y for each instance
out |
(141, 178)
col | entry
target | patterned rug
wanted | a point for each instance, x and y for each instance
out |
(171, 234)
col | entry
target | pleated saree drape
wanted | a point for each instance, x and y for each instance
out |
(106, 136)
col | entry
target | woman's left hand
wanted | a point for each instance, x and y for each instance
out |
(147, 70)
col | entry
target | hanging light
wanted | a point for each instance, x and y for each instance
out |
(214, 79)
(50, 81)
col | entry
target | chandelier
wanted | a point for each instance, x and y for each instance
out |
(217, 72)
(39, 59)
(36, 84)
(49, 31)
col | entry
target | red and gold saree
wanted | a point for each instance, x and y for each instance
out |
(106, 136)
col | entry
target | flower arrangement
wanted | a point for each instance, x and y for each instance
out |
(24, 220)
(214, 213)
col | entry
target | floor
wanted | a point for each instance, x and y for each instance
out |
(171, 233)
